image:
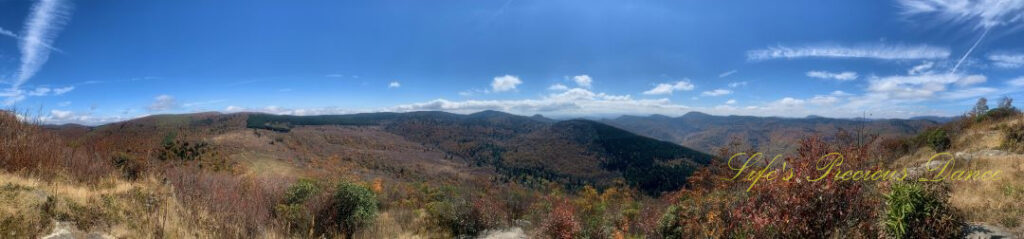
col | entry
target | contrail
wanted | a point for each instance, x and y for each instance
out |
(15, 36)
(41, 28)
(961, 61)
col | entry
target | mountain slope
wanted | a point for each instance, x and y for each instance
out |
(707, 132)
(573, 152)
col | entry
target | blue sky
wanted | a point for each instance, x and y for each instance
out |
(100, 61)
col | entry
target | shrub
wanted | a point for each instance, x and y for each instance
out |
(911, 209)
(894, 147)
(291, 210)
(458, 215)
(354, 207)
(998, 113)
(131, 167)
(820, 209)
(300, 191)
(562, 223)
(937, 139)
(1013, 138)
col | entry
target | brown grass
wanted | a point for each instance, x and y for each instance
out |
(996, 202)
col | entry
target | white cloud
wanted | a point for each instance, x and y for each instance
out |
(289, 111)
(8, 33)
(64, 104)
(232, 108)
(62, 90)
(201, 103)
(558, 87)
(716, 92)
(969, 93)
(582, 81)
(898, 93)
(163, 103)
(505, 83)
(472, 92)
(668, 88)
(727, 73)
(60, 114)
(737, 84)
(840, 93)
(394, 84)
(882, 52)
(789, 102)
(919, 86)
(44, 91)
(842, 76)
(982, 13)
(1017, 82)
(824, 100)
(970, 80)
(44, 22)
(39, 91)
(65, 116)
(730, 102)
(574, 102)
(12, 96)
(1006, 60)
(922, 68)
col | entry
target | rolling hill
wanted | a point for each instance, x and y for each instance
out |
(708, 132)
(421, 146)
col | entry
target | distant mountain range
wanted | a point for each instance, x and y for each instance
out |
(653, 153)
(571, 151)
(430, 146)
(708, 132)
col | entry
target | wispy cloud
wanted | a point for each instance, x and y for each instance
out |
(727, 73)
(394, 84)
(980, 13)
(199, 103)
(840, 76)
(874, 51)
(558, 87)
(45, 21)
(8, 33)
(737, 84)
(62, 90)
(668, 88)
(922, 68)
(716, 92)
(163, 103)
(1007, 60)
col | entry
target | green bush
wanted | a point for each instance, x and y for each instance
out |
(997, 114)
(459, 215)
(938, 139)
(914, 210)
(670, 225)
(291, 210)
(300, 191)
(354, 207)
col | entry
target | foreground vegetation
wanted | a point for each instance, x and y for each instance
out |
(184, 185)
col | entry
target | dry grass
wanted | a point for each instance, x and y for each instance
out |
(997, 202)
